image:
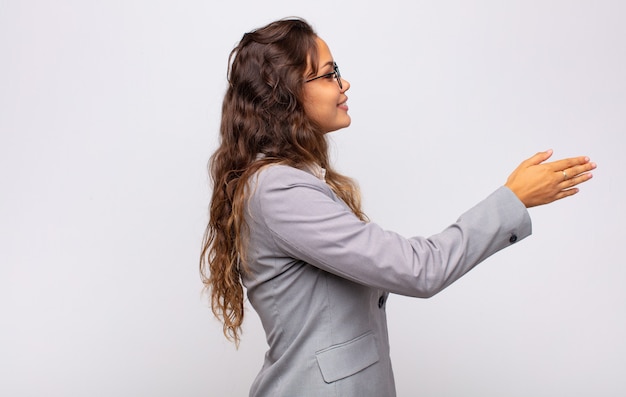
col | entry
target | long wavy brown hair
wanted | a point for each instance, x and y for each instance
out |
(263, 122)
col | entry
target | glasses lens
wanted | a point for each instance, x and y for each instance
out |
(338, 75)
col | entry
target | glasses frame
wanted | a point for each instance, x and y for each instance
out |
(334, 72)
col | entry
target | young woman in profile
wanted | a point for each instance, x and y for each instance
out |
(288, 227)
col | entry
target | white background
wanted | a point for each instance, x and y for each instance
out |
(109, 111)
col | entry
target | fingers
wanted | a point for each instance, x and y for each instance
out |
(565, 193)
(571, 162)
(576, 179)
(578, 173)
(538, 158)
(570, 183)
(577, 170)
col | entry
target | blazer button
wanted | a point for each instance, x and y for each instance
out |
(381, 301)
(513, 239)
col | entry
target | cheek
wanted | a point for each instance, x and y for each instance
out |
(308, 102)
(321, 106)
(314, 108)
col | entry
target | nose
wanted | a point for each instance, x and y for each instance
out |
(345, 85)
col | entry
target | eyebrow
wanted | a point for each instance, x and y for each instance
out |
(329, 63)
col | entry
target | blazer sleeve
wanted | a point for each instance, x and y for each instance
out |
(308, 222)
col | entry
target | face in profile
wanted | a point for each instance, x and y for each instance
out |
(325, 101)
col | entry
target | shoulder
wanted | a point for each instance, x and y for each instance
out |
(284, 177)
(280, 189)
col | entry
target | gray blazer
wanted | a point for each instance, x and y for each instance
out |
(319, 279)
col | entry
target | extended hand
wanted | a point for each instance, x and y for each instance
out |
(537, 183)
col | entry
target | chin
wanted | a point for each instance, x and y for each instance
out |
(345, 123)
(333, 129)
(339, 124)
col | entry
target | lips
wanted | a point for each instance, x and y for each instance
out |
(344, 104)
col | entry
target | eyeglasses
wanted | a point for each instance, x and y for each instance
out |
(335, 73)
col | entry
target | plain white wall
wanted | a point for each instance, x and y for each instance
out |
(109, 112)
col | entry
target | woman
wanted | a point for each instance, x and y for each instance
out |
(288, 227)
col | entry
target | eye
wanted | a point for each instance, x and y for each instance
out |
(330, 75)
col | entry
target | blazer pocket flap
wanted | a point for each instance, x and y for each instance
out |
(345, 359)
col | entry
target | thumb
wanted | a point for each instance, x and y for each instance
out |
(539, 158)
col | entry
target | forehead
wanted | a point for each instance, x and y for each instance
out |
(323, 53)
